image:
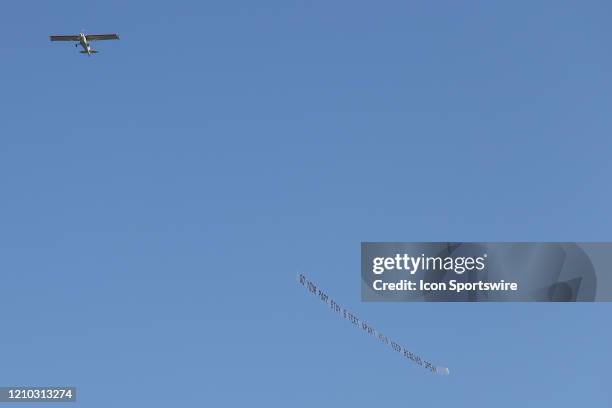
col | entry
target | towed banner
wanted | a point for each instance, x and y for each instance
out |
(366, 327)
(476, 272)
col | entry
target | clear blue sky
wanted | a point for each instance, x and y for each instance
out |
(158, 199)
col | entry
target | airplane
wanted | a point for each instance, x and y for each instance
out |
(84, 40)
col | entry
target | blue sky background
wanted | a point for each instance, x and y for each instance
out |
(158, 199)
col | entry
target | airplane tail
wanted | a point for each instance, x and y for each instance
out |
(90, 52)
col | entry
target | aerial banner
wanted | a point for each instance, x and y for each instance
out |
(477, 272)
(351, 317)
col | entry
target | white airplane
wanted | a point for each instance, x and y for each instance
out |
(84, 40)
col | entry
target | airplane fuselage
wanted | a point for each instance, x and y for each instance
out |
(84, 43)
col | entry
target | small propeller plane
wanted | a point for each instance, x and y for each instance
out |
(85, 40)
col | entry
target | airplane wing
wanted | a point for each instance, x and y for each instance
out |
(99, 37)
(64, 37)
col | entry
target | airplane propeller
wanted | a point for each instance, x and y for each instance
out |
(82, 32)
